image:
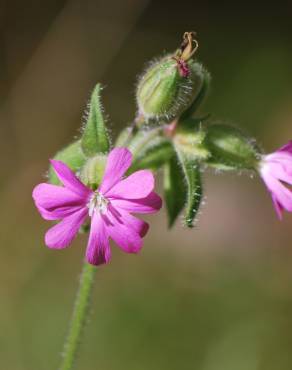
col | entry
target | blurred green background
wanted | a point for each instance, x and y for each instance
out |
(218, 297)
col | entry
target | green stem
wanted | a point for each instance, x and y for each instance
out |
(79, 317)
(143, 139)
(125, 139)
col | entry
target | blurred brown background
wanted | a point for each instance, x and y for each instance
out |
(218, 297)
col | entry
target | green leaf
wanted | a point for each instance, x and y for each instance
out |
(95, 137)
(174, 189)
(192, 174)
(72, 155)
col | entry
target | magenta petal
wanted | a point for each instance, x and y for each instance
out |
(286, 148)
(118, 162)
(280, 193)
(150, 204)
(139, 226)
(281, 172)
(138, 185)
(278, 160)
(278, 207)
(50, 196)
(58, 213)
(98, 248)
(69, 179)
(122, 234)
(62, 234)
(284, 197)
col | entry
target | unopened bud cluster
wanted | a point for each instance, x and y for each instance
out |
(177, 140)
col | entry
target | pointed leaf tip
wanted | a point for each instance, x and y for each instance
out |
(95, 137)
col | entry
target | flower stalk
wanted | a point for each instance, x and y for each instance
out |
(79, 317)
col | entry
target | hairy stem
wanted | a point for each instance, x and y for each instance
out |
(133, 129)
(79, 317)
(143, 139)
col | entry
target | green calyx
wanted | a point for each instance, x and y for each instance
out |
(160, 90)
(170, 86)
(230, 149)
(190, 142)
(204, 77)
(92, 172)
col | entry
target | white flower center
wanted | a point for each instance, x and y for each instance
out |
(97, 203)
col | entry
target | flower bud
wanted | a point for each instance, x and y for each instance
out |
(92, 172)
(170, 85)
(230, 149)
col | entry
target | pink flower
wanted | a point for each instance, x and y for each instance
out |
(109, 208)
(276, 171)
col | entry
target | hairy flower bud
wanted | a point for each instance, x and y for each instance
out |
(230, 149)
(170, 86)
